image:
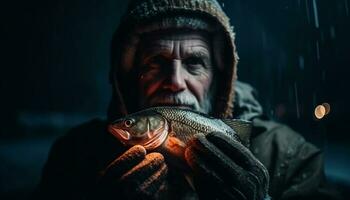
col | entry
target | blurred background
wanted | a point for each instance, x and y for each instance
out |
(55, 61)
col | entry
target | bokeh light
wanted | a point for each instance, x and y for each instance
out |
(320, 111)
(327, 107)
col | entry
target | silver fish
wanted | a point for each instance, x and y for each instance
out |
(156, 126)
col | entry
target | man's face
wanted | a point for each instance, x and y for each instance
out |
(175, 70)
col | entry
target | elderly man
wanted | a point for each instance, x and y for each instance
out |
(181, 53)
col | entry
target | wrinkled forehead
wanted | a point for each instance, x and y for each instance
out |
(172, 34)
(189, 40)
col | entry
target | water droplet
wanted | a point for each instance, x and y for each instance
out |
(315, 13)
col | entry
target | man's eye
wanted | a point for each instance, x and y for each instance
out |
(195, 65)
(158, 61)
(194, 61)
(152, 64)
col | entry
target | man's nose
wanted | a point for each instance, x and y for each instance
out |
(176, 79)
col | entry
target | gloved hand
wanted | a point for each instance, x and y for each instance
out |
(134, 175)
(225, 169)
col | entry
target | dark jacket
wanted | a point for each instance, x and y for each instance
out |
(295, 166)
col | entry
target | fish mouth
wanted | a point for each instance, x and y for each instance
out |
(123, 135)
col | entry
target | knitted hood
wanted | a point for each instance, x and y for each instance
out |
(146, 16)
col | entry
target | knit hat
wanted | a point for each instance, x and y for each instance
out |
(147, 16)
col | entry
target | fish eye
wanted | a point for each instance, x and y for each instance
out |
(128, 122)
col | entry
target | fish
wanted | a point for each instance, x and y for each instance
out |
(172, 127)
(168, 130)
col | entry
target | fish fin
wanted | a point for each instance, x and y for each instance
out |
(243, 128)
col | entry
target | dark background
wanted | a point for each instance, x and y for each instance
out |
(55, 60)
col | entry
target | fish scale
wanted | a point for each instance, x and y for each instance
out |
(180, 119)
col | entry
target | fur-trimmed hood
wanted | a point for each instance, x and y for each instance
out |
(144, 16)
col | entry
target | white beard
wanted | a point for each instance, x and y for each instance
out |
(185, 98)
